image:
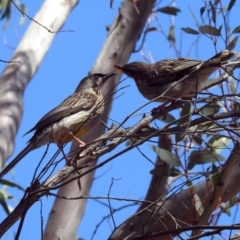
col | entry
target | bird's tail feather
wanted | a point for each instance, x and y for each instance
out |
(22, 154)
(223, 56)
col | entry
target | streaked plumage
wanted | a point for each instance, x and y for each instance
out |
(75, 116)
(175, 78)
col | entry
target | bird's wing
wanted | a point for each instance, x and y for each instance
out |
(175, 70)
(71, 105)
(185, 65)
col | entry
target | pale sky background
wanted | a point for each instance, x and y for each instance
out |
(69, 59)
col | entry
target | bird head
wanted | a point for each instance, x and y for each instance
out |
(98, 79)
(94, 81)
(132, 69)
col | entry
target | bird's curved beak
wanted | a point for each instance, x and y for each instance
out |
(108, 75)
(119, 68)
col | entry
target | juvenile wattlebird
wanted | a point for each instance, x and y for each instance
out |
(171, 79)
(74, 117)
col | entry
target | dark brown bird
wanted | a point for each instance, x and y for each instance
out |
(170, 79)
(74, 117)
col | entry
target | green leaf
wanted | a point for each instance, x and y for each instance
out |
(225, 209)
(190, 185)
(24, 10)
(169, 10)
(233, 87)
(230, 5)
(174, 172)
(220, 29)
(237, 106)
(190, 31)
(6, 14)
(232, 44)
(207, 29)
(202, 10)
(159, 171)
(228, 212)
(168, 118)
(185, 114)
(198, 204)
(165, 171)
(218, 143)
(11, 184)
(210, 108)
(179, 137)
(133, 141)
(213, 10)
(236, 29)
(206, 126)
(197, 138)
(215, 175)
(151, 29)
(3, 203)
(202, 157)
(232, 201)
(166, 156)
(184, 118)
(5, 10)
(171, 34)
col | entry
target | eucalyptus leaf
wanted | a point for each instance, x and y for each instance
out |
(166, 171)
(184, 119)
(171, 34)
(3, 203)
(233, 87)
(185, 114)
(151, 29)
(236, 29)
(24, 10)
(202, 10)
(207, 29)
(168, 118)
(198, 204)
(203, 156)
(135, 140)
(190, 31)
(215, 175)
(219, 143)
(230, 5)
(169, 10)
(232, 201)
(210, 108)
(11, 184)
(166, 156)
(232, 43)
(179, 137)
(197, 138)
(213, 10)
(225, 209)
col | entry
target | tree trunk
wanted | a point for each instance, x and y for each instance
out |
(117, 48)
(30, 53)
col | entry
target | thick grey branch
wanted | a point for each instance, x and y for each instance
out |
(117, 49)
(16, 76)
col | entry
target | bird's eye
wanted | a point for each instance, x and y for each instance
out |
(96, 81)
(96, 77)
